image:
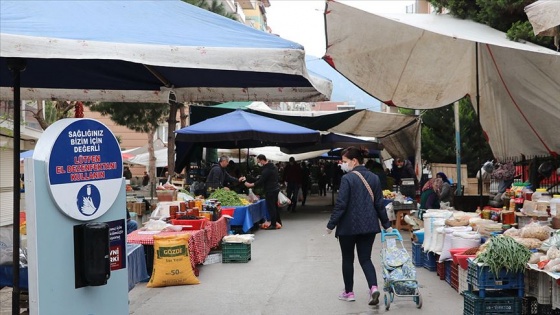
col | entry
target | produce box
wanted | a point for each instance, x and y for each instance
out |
(538, 285)
(417, 255)
(455, 277)
(190, 224)
(430, 261)
(546, 309)
(166, 195)
(236, 252)
(496, 302)
(482, 277)
(529, 306)
(556, 294)
(440, 270)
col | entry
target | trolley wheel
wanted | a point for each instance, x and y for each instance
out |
(418, 300)
(387, 302)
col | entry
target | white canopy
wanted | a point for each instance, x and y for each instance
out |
(544, 15)
(424, 61)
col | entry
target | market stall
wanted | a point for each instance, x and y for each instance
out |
(499, 262)
(247, 216)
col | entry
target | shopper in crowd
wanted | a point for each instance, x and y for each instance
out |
(305, 182)
(445, 193)
(357, 215)
(131, 225)
(429, 199)
(322, 180)
(292, 178)
(145, 179)
(218, 176)
(269, 181)
(127, 174)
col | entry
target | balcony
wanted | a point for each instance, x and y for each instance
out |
(248, 4)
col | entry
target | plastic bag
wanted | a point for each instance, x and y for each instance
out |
(390, 212)
(535, 230)
(251, 196)
(554, 240)
(283, 200)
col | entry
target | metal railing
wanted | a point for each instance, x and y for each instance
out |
(526, 170)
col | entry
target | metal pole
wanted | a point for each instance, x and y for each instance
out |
(459, 190)
(480, 202)
(16, 65)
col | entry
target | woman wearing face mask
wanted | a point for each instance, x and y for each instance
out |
(356, 216)
(269, 180)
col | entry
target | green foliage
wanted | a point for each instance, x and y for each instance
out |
(141, 117)
(507, 16)
(215, 6)
(438, 137)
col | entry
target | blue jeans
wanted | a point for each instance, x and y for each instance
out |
(363, 244)
(131, 226)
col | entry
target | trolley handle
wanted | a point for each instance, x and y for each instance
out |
(393, 234)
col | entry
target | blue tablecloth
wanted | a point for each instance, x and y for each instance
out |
(135, 260)
(6, 277)
(247, 216)
(136, 264)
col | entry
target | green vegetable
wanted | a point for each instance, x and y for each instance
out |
(504, 252)
(226, 197)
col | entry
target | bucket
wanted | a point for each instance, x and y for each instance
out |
(228, 211)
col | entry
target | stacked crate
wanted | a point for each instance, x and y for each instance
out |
(417, 255)
(497, 294)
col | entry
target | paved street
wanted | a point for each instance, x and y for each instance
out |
(295, 270)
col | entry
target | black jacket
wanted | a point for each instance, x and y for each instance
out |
(218, 177)
(354, 212)
(269, 178)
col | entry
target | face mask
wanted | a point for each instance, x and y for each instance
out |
(399, 166)
(345, 167)
(260, 164)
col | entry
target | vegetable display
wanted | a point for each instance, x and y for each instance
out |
(226, 197)
(504, 252)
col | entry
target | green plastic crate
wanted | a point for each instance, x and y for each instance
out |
(495, 302)
(236, 252)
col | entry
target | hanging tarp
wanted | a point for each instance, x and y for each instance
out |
(140, 51)
(425, 61)
(544, 16)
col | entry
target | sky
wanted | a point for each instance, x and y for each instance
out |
(302, 21)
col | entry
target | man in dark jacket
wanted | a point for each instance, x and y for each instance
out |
(269, 181)
(403, 169)
(292, 178)
(218, 177)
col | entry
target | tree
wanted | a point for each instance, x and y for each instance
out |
(507, 16)
(438, 136)
(140, 117)
(216, 7)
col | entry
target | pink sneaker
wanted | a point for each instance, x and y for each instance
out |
(348, 297)
(374, 296)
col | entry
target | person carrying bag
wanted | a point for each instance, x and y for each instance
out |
(356, 216)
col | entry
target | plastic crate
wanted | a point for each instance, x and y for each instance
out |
(430, 261)
(496, 302)
(417, 255)
(556, 294)
(455, 277)
(529, 306)
(539, 285)
(463, 285)
(448, 271)
(546, 309)
(482, 277)
(236, 252)
(440, 270)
